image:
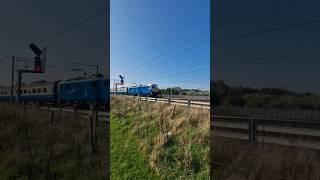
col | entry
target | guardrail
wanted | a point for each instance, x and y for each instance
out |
(179, 102)
(284, 132)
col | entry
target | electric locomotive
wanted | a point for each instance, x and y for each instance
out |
(141, 90)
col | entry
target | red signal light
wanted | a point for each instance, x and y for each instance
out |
(37, 65)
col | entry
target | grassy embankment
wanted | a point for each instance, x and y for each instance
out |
(32, 147)
(234, 159)
(173, 143)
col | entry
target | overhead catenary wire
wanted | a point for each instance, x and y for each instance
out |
(157, 66)
(166, 52)
(5, 64)
(83, 59)
(268, 58)
(272, 29)
(184, 72)
(266, 14)
(264, 6)
(87, 44)
(69, 28)
(171, 65)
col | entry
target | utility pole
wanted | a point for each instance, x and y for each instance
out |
(97, 66)
(97, 98)
(12, 79)
(19, 85)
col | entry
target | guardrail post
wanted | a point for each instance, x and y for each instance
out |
(155, 99)
(169, 101)
(189, 103)
(252, 131)
(147, 98)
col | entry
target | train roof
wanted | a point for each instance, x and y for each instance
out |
(80, 79)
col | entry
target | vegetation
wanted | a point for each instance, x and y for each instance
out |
(234, 159)
(225, 95)
(34, 147)
(185, 92)
(127, 160)
(174, 140)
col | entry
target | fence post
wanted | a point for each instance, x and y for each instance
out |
(92, 128)
(155, 99)
(169, 101)
(252, 130)
(189, 103)
(24, 109)
(52, 117)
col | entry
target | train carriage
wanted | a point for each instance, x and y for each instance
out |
(43, 92)
(39, 91)
(5, 93)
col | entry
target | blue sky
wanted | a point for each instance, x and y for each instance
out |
(175, 30)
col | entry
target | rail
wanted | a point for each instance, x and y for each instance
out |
(284, 132)
(179, 102)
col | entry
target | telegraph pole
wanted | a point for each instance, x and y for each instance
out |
(19, 85)
(12, 79)
(97, 66)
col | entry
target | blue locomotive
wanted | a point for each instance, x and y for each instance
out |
(142, 90)
(81, 91)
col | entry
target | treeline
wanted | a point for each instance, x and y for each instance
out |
(265, 97)
(186, 92)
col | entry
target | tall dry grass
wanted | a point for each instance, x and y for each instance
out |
(175, 139)
(234, 159)
(34, 147)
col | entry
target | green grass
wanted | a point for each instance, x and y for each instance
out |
(175, 146)
(127, 160)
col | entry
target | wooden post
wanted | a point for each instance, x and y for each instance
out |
(252, 131)
(24, 109)
(172, 112)
(92, 128)
(189, 103)
(169, 101)
(52, 117)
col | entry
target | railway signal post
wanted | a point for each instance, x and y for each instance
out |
(39, 66)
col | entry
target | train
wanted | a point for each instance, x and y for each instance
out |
(80, 91)
(151, 90)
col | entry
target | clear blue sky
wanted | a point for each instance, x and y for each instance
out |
(141, 30)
